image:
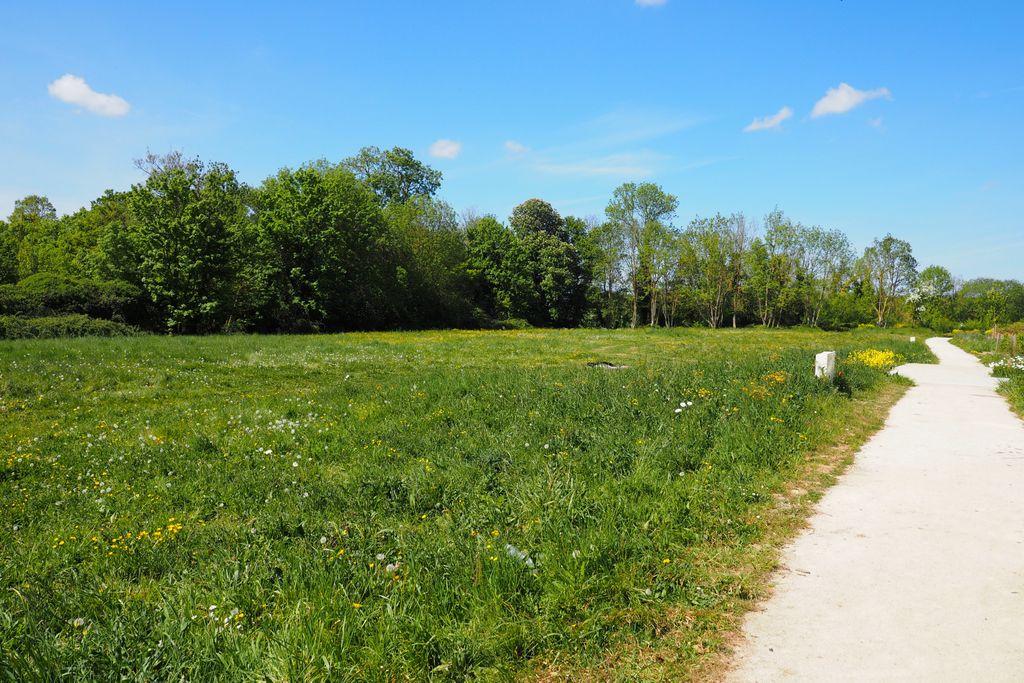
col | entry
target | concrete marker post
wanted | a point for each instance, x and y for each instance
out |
(825, 365)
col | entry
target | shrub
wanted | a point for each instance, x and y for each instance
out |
(47, 294)
(52, 327)
(875, 358)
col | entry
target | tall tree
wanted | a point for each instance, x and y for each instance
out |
(891, 269)
(772, 267)
(8, 255)
(828, 260)
(325, 241)
(537, 216)
(394, 175)
(932, 298)
(709, 245)
(491, 264)
(33, 225)
(431, 287)
(182, 220)
(632, 208)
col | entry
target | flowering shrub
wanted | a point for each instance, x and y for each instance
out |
(875, 358)
(1005, 367)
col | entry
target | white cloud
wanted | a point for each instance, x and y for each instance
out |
(75, 90)
(768, 122)
(445, 149)
(515, 147)
(844, 98)
(651, 3)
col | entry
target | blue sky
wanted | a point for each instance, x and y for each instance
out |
(562, 100)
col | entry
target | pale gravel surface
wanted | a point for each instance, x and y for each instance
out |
(912, 568)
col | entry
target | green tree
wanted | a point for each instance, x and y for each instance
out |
(631, 209)
(536, 215)
(827, 264)
(890, 268)
(772, 268)
(603, 251)
(182, 218)
(432, 287)
(708, 251)
(933, 298)
(492, 266)
(394, 175)
(324, 240)
(8, 254)
(34, 227)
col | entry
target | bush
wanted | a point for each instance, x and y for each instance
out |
(60, 326)
(47, 294)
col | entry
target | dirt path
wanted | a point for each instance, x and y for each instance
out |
(913, 566)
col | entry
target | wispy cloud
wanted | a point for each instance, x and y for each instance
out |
(769, 122)
(642, 164)
(651, 3)
(445, 149)
(988, 186)
(74, 90)
(844, 98)
(615, 144)
(515, 147)
(876, 122)
(628, 125)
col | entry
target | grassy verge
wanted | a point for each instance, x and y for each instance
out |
(407, 506)
(696, 642)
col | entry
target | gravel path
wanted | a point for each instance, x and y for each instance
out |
(913, 566)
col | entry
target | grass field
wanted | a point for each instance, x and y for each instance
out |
(401, 506)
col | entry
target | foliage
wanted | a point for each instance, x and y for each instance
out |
(878, 359)
(183, 220)
(891, 270)
(386, 506)
(636, 211)
(321, 233)
(365, 244)
(394, 175)
(45, 294)
(61, 327)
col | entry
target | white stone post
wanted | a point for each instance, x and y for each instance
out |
(825, 365)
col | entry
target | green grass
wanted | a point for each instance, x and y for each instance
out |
(394, 506)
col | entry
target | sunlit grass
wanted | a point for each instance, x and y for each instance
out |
(390, 505)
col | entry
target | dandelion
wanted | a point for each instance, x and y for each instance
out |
(357, 605)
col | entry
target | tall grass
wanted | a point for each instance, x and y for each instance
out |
(385, 506)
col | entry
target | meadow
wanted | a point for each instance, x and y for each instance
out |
(404, 506)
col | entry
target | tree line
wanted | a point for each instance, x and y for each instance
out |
(365, 244)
